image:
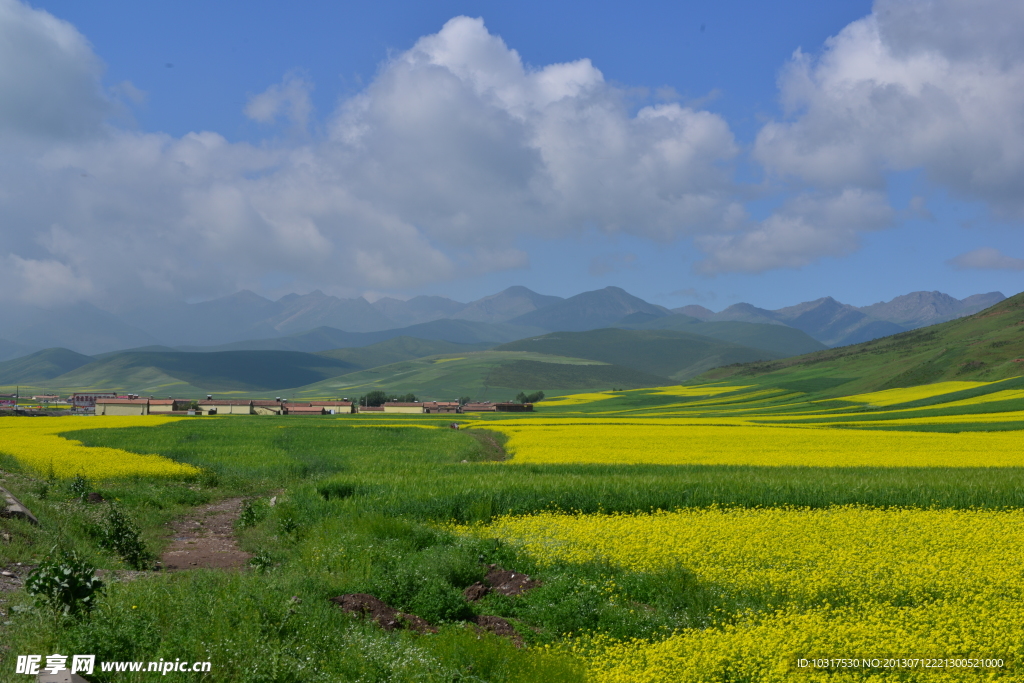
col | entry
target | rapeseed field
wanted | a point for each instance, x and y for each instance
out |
(35, 444)
(846, 581)
(667, 443)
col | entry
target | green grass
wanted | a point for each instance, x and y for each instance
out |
(666, 353)
(481, 375)
(780, 339)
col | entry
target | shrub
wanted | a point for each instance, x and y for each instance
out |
(120, 534)
(65, 583)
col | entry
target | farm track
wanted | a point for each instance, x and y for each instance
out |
(205, 539)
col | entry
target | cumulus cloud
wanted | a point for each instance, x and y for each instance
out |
(931, 84)
(804, 230)
(986, 258)
(433, 171)
(49, 76)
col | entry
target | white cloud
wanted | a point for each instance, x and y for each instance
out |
(49, 76)
(433, 171)
(931, 84)
(986, 258)
(289, 98)
(804, 230)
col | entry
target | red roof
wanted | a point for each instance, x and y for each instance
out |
(226, 402)
(330, 403)
(402, 404)
(162, 401)
(262, 402)
(122, 401)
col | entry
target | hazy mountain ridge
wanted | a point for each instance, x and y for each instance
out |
(317, 321)
(984, 346)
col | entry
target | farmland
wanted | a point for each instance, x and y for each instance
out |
(701, 532)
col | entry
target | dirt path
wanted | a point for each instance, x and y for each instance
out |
(205, 538)
(492, 448)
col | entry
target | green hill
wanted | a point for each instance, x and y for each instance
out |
(781, 339)
(666, 353)
(216, 371)
(986, 346)
(41, 366)
(399, 349)
(484, 375)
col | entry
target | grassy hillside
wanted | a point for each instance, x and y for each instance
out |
(327, 338)
(666, 353)
(787, 341)
(399, 349)
(41, 366)
(219, 371)
(985, 346)
(484, 375)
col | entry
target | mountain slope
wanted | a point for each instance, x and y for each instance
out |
(327, 338)
(780, 339)
(397, 350)
(419, 309)
(918, 309)
(666, 353)
(219, 371)
(588, 311)
(209, 322)
(485, 375)
(297, 314)
(80, 327)
(834, 323)
(506, 305)
(41, 365)
(9, 350)
(985, 346)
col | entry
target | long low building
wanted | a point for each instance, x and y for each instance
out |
(122, 406)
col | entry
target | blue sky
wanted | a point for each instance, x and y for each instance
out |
(703, 152)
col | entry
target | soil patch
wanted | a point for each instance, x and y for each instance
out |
(501, 581)
(386, 616)
(492, 448)
(205, 538)
(498, 627)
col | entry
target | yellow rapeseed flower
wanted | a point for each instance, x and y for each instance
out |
(35, 443)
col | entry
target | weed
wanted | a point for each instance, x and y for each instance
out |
(120, 534)
(64, 583)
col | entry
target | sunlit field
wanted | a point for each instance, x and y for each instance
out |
(694, 533)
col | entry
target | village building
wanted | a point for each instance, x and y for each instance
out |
(122, 406)
(87, 399)
(334, 407)
(266, 407)
(441, 406)
(224, 406)
(478, 407)
(303, 409)
(369, 409)
(403, 407)
(161, 405)
(513, 407)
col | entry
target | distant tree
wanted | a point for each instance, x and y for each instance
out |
(405, 398)
(374, 399)
(523, 397)
(463, 400)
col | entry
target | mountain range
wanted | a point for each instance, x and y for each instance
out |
(317, 321)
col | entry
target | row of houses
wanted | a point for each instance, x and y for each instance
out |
(135, 405)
